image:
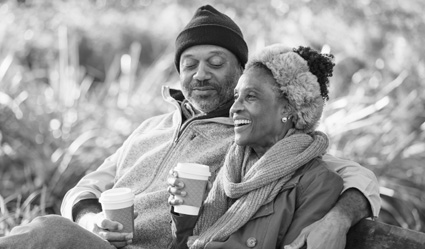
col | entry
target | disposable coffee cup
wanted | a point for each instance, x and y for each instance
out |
(118, 205)
(195, 177)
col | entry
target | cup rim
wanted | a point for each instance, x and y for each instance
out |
(116, 195)
(193, 168)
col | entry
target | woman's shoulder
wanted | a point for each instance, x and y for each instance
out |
(316, 172)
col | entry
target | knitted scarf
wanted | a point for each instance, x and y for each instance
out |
(237, 195)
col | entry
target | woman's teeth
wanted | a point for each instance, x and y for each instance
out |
(240, 122)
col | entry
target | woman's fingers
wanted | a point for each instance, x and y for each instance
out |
(174, 201)
(176, 191)
(175, 182)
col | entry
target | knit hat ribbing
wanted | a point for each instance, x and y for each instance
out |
(210, 27)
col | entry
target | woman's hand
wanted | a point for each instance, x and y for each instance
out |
(175, 187)
(106, 229)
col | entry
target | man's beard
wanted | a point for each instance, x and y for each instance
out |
(209, 103)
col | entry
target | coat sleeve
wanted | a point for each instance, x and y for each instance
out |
(91, 185)
(96, 182)
(317, 192)
(358, 177)
(181, 229)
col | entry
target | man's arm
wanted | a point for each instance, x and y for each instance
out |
(81, 205)
(352, 206)
(88, 214)
(89, 187)
(85, 208)
(357, 177)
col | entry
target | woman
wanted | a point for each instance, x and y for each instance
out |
(273, 182)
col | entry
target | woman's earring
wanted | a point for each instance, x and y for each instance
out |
(284, 119)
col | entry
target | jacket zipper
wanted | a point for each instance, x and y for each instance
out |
(176, 138)
(183, 127)
(166, 156)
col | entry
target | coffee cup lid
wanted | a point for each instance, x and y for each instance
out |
(116, 195)
(193, 168)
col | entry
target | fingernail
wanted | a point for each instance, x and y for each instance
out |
(183, 193)
(181, 185)
(129, 241)
(120, 227)
(129, 236)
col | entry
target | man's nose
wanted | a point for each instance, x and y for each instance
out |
(202, 72)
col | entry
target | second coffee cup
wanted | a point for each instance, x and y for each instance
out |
(195, 177)
(118, 205)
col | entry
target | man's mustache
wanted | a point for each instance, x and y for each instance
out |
(204, 83)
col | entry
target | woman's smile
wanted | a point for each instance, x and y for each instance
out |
(242, 122)
(241, 125)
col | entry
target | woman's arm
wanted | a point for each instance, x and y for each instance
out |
(360, 199)
(319, 189)
(181, 229)
(331, 230)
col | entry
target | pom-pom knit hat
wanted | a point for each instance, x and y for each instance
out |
(210, 27)
(295, 81)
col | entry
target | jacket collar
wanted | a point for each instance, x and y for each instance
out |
(176, 97)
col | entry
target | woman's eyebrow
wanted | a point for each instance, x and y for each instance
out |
(248, 89)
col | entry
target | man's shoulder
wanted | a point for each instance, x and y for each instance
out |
(160, 121)
(336, 163)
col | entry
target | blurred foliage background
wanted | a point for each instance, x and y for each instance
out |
(76, 77)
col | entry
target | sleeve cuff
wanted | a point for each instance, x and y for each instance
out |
(369, 189)
(357, 177)
(71, 198)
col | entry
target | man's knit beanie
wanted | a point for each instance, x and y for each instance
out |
(211, 27)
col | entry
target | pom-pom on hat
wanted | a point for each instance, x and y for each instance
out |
(295, 81)
(210, 27)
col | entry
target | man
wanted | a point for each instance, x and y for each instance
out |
(210, 54)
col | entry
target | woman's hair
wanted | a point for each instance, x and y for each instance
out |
(301, 77)
(320, 65)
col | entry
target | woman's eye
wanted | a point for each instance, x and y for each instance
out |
(250, 96)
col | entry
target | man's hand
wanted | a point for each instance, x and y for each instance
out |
(325, 233)
(331, 230)
(106, 229)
